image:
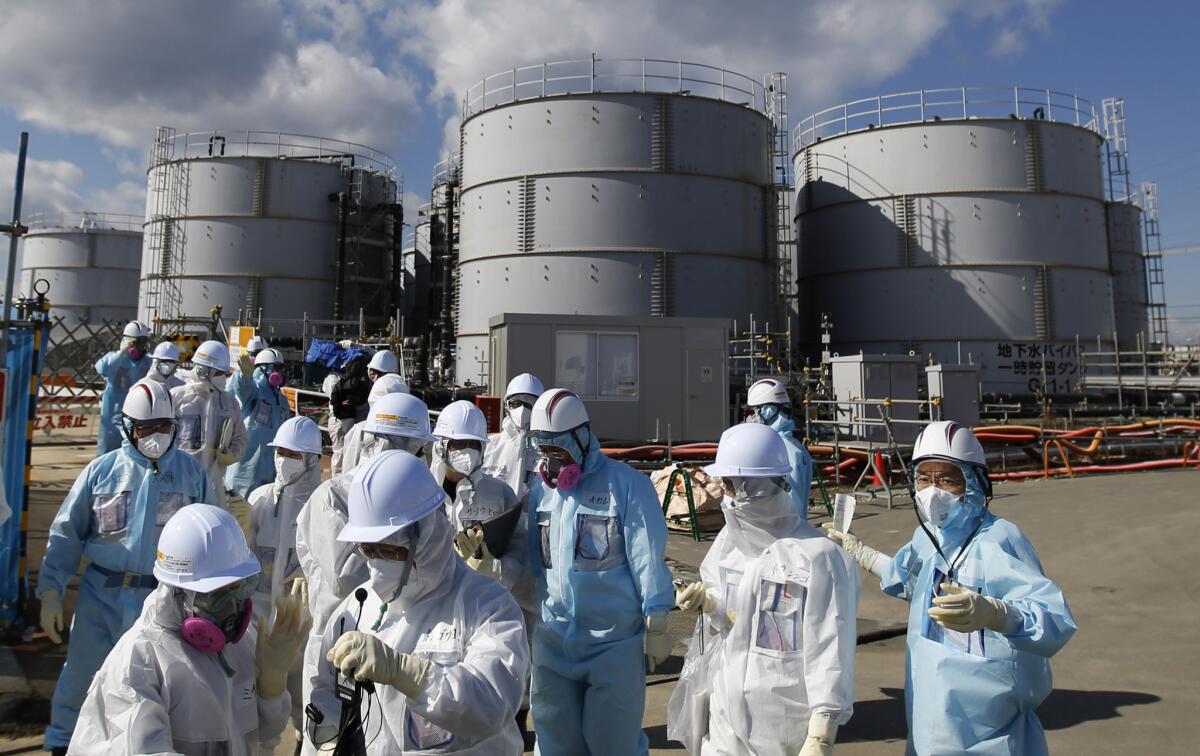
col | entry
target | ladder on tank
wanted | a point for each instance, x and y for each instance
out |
(779, 220)
(166, 237)
(1155, 282)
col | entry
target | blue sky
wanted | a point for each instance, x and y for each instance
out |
(91, 80)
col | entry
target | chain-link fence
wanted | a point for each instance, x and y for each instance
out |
(69, 399)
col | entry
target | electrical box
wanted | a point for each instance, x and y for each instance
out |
(958, 388)
(860, 377)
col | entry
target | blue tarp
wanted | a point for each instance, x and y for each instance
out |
(331, 355)
(16, 415)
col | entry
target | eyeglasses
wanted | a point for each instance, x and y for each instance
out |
(147, 427)
(221, 599)
(752, 488)
(924, 480)
(518, 404)
(383, 551)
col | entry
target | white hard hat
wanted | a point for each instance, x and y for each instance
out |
(558, 411)
(391, 491)
(767, 391)
(148, 400)
(201, 549)
(461, 420)
(525, 383)
(949, 441)
(384, 361)
(298, 434)
(166, 351)
(750, 450)
(399, 415)
(268, 356)
(136, 329)
(256, 344)
(391, 383)
(212, 354)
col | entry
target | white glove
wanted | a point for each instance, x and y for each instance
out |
(694, 598)
(966, 611)
(366, 657)
(868, 558)
(658, 642)
(822, 731)
(277, 651)
(240, 509)
(486, 564)
(467, 542)
(52, 616)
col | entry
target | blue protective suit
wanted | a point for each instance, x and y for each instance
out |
(113, 514)
(264, 409)
(802, 465)
(119, 372)
(977, 692)
(596, 556)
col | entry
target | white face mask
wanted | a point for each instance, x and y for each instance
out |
(155, 445)
(934, 504)
(463, 460)
(520, 416)
(388, 577)
(166, 369)
(288, 470)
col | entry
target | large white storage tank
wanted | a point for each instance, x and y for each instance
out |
(90, 261)
(612, 187)
(958, 223)
(252, 221)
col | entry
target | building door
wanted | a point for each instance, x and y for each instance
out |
(706, 399)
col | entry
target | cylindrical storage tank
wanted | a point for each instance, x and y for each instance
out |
(90, 261)
(596, 194)
(1130, 294)
(959, 224)
(250, 221)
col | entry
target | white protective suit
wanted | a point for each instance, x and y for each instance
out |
(273, 513)
(469, 627)
(790, 650)
(479, 496)
(508, 458)
(156, 694)
(201, 412)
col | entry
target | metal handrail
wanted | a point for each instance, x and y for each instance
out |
(592, 75)
(85, 220)
(947, 104)
(250, 143)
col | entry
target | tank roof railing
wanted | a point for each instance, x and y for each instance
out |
(612, 75)
(277, 144)
(948, 104)
(444, 170)
(85, 220)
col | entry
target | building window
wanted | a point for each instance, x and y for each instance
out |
(598, 365)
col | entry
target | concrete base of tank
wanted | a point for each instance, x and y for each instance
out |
(1120, 546)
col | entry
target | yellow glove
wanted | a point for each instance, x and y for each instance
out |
(276, 652)
(468, 542)
(225, 458)
(693, 598)
(240, 509)
(365, 657)
(52, 616)
(822, 731)
(966, 611)
(485, 564)
(245, 365)
(658, 642)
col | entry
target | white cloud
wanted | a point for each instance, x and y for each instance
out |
(50, 186)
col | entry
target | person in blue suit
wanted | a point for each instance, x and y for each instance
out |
(264, 409)
(772, 407)
(113, 514)
(120, 369)
(596, 542)
(984, 619)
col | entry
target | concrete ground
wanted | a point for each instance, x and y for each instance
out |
(1122, 548)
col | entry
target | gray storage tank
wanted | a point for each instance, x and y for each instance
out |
(89, 259)
(1131, 300)
(613, 188)
(958, 221)
(251, 220)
